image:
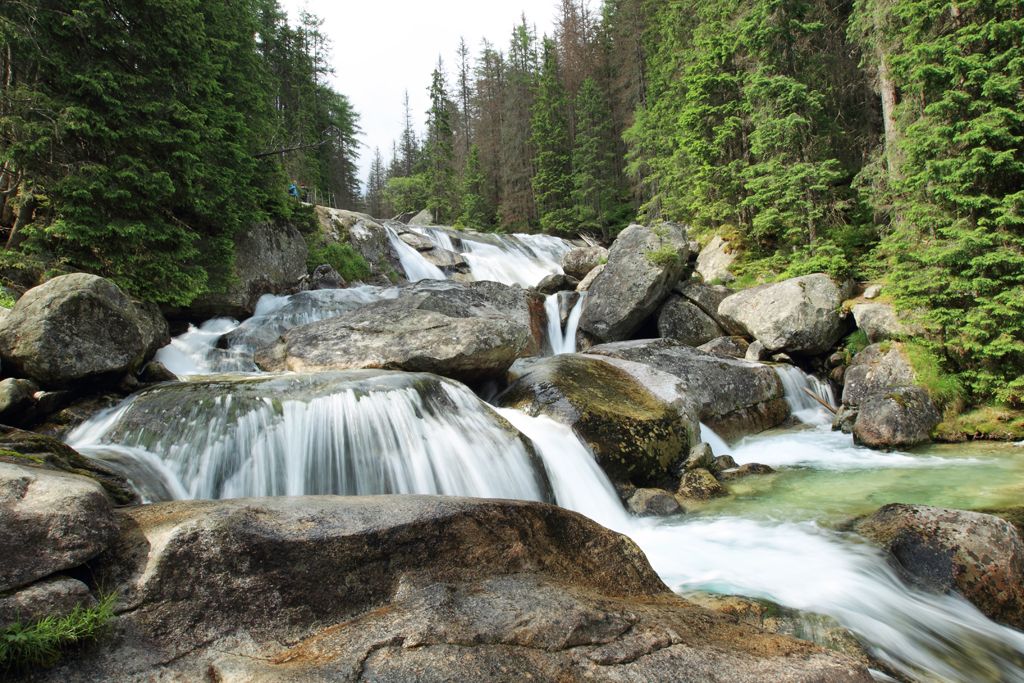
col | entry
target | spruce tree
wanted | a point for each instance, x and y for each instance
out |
(552, 178)
(439, 152)
(475, 213)
(594, 192)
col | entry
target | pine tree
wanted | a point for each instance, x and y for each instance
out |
(439, 152)
(552, 179)
(375, 185)
(517, 209)
(475, 213)
(595, 187)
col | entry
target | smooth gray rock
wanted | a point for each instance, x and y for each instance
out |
(701, 457)
(872, 291)
(448, 261)
(898, 418)
(708, 298)
(685, 321)
(755, 352)
(733, 397)
(409, 588)
(881, 322)
(745, 470)
(588, 281)
(977, 555)
(325, 276)
(875, 370)
(557, 282)
(49, 521)
(78, 329)
(52, 597)
(726, 347)
(801, 315)
(714, 261)
(270, 258)
(416, 240)
(635, 280)
(17, 397)
(578, 262)
(471, 332)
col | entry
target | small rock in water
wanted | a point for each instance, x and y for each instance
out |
(557, 282)
(700, 485)
(701, 457)
(746, 470)
(326, 277)
(654, 502)
(844, 420)
(155, 372)
(724, 462)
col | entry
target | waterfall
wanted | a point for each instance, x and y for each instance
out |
(415, 266)
(717, 443)
(796, 383)
(352, 433)
(562, 341)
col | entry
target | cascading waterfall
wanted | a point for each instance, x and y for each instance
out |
(562, 341)
(415, 266)
(796, 384)
(350, 433)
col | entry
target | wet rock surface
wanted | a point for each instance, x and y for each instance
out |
(977, 555)
(427, 589)
(899, 418)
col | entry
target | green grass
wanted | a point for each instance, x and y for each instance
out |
(945, 390)
(6, 299)
(349, 263)
(855, 343)
(664, 256)
(994, 422)
(41, 644)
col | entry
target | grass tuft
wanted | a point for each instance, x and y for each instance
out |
(41, 644)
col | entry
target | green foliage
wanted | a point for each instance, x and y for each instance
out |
(552, 179)
(595, 193)
(439, 153)
(664, 256)
(955, 247)
(475, 214)
(24, 647)
(407, 194)
(945, 389)
(987, 422)
(349, 263)
(6, 299)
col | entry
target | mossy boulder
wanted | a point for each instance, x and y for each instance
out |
(18, 447)
(636, 434)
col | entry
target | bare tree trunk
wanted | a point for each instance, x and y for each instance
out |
(25, 213)
(887, 90)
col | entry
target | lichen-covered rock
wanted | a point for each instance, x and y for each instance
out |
(733, 397)
(726, 347)
(49, 521)
(881, 322)
(700, 485)
(366, 235)
(644, 264)
(410, 588)
(800, 315)
(653, 503)
(899, 418)
(683, 320)
(470, 332)
(714, 261)
(977, 555)
(578, 262)
(270, 258)
(54, 597)
(78, 329)
(875, 370)
(636, 434)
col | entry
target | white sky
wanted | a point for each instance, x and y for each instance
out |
(380, 48)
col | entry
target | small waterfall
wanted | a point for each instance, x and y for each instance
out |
(796, 383)
(562, 341)
(195, 352)
(351, 433)
(415, 266)
(717, 443)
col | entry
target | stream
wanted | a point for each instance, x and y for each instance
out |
(231, 431)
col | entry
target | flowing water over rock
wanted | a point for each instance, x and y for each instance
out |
(562, 340)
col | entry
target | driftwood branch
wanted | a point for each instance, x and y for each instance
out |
(824, 404)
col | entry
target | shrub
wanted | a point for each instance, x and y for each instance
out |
(41, 644)
(349, 263)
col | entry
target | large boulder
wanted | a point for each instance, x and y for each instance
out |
(366, 235)
(714, 261)
(409, 588)
(876, 370)
(639, 430)
(800, 315)
(472, 332)
(78, 329)
(270, 258)
(881, 322)
(708, 298)
(733, 397)
(579, 261)
(643, 266)
(685, 321)
(49, 521)
(977, 555)
(899, 418)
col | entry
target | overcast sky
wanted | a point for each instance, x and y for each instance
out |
(380, 48)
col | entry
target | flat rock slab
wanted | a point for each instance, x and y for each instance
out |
(410, 588)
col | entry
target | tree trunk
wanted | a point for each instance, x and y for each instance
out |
(887, 90)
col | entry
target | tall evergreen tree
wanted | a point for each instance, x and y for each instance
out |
(517, 208)
(595, 188)
(552, 178)
(475, 213)
(439, 151)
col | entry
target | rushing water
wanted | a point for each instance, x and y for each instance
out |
(373, 432)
